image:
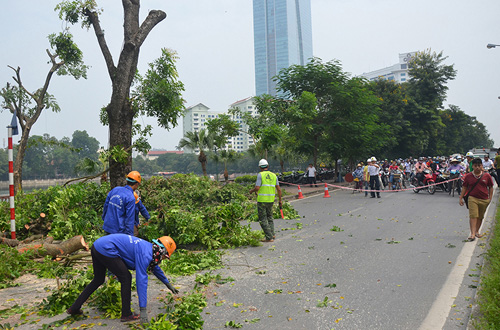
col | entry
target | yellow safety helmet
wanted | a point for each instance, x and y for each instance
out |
(134, 176)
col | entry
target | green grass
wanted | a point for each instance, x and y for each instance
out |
(489, 293)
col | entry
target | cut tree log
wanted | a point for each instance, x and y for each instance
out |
(9, 242)
(66, 247)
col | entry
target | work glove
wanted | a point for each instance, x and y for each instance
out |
(171, 288)
(144, 315)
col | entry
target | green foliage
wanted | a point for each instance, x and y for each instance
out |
(160, 322)
(186, 314)
(72, 210)
(489, 304)
(208, 277)
(184, 262)
(159, 92)
(63, 297)
(246, 179)
(70, 54)
(108, 298)
(195, 210)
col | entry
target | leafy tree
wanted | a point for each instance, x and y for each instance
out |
(87, 146)
(157, 94)
(427, 88)
(462, 132)
(65, 59)
(201, 141)
(226, 157)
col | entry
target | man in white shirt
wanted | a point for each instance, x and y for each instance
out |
(373, 170)
(311, 175)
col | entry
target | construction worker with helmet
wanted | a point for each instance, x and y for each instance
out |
(265, 187)
(139, 208)
(119, 253)
(119, 208)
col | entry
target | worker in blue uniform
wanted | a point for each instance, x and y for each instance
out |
(139, 208)
(119, 208)
(119, 253)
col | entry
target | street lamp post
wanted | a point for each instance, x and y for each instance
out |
(489, 46)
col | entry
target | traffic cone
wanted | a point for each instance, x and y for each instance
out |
(300, 194)
(326, 192)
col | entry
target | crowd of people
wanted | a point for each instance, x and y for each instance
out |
(477, 176)
(367, 176)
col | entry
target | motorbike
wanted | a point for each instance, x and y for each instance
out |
(492, 172)
(397, 180)
(440, 178)
(457, 184)
(384, 176)
(427, 184)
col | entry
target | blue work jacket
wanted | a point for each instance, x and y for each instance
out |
(139, 207)
(119, 211)
(137, 254)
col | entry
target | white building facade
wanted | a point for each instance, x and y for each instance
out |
(197, 116)
(397, 72)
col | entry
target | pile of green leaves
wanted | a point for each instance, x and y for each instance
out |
(72, 210)
(66, 295)
(489, 304)
(194, 210)
(15, 264)
(185, 262)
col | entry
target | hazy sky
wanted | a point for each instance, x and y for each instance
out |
(214, 40)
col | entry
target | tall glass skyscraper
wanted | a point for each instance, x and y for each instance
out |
(282, 37)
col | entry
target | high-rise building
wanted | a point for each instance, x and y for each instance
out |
(196, 118)
(282, 37)
(397, 72)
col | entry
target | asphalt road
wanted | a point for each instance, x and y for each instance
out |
(398, 262)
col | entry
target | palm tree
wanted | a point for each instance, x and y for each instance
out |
(228, 157)
(198, 140)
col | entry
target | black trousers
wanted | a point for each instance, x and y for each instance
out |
(374, 184)
(116, 265)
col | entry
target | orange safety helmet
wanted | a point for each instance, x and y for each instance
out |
(136, 197)
(135, 176)
(168, 243)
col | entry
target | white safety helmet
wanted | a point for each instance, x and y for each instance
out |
(469, 154)
(374, 159)
(263, 163)
(369, 160)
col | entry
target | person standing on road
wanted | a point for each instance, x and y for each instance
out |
(119, 253)
(366, 176)
(478, 186)
(265, 187)
(373, 170)
(311, 175)
(119, 208)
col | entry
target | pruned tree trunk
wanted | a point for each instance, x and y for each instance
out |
(119, 110)
(67, 247)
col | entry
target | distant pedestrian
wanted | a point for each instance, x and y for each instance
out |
(497, 166)
(311, 175)
(366, 176)
(374, 170)
(478, 189)
(265, 187)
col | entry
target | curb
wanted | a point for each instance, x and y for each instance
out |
(475, 313)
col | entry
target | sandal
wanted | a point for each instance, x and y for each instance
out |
(471, 239)
(480, 235)
(131, 317)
